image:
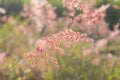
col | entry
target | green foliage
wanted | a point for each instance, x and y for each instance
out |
(113, 16)
(114, 47)
(12, 6)
(10, 35)
(100, 2)
(60, 9)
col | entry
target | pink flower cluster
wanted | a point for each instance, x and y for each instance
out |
(47, 46)
(42, 14)
(87, 16)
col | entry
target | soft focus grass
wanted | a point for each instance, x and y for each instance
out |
(75, 66)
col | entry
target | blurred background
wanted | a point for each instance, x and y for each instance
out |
(23, 22)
